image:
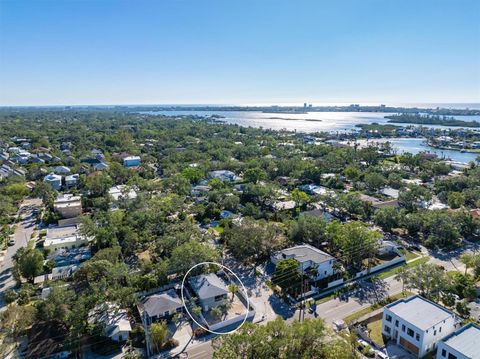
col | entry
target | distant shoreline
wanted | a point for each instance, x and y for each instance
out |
(294, 119)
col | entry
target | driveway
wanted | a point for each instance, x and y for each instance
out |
(23, 232)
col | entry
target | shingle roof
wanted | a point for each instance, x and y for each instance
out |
(419, 312)
(305, 253)
(158, 304)
(466, 340)
(208, 286)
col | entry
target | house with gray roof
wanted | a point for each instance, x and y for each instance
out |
(308, 257)
(417, 324)
(461, 344)
(210, 290)
(161, 306)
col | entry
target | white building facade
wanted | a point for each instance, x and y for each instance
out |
(462, 344)
(417, 324)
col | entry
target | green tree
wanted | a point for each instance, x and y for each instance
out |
(456, 199)
(299, 197)
(254, 175)
(287, 274)
(277, 339)
(387, 218)
(233, 288)
(28, 263)
(308, 229)
(374, 181)
(188, 254)
(216, 312)
(158, 335)
(252, 241)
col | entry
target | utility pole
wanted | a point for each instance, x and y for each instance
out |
(301, 314)
(147, 336)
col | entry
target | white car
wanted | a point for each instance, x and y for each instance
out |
(381, 355)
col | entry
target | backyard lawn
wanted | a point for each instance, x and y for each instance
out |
(375, 330)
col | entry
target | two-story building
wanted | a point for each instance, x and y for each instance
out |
(210, 290)
(308, 257)
(131, 161)
(68, 205)
(65, 237)
(461, 344)
(417, 324)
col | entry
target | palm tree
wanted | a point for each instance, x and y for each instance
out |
(197, 310)
(468, 259)
(216, 312)
(233, 288)
(159, 334)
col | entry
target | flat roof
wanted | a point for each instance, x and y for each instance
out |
(465, 340)
(419, 311)
(59, 232)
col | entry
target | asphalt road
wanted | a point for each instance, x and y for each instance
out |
(357, 300)
(23, 231)
(200, 351)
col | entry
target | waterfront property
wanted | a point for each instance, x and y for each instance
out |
(417, 324)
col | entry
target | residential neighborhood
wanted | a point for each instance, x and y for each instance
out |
(134, 246)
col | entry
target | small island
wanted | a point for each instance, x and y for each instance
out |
(430, 120)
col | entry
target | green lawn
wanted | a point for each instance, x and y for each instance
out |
(410, 255)
(395, 270)
(375, 329)
(352, 317)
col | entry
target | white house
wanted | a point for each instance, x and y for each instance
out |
(417, 324)
(65, 237)
(461, 344)
(54, 180)
(308, 257)
(68, 205)
(209, 289)
(62, 170)
(100, 166)
(122, 192)
(72, 180)
(114, 320)
(224, 175)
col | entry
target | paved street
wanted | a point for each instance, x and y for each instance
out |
(200, 351)
(358, 299)
(23, 231)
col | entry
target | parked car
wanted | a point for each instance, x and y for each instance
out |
(11, 242)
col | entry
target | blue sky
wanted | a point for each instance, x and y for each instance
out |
(238, 52)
